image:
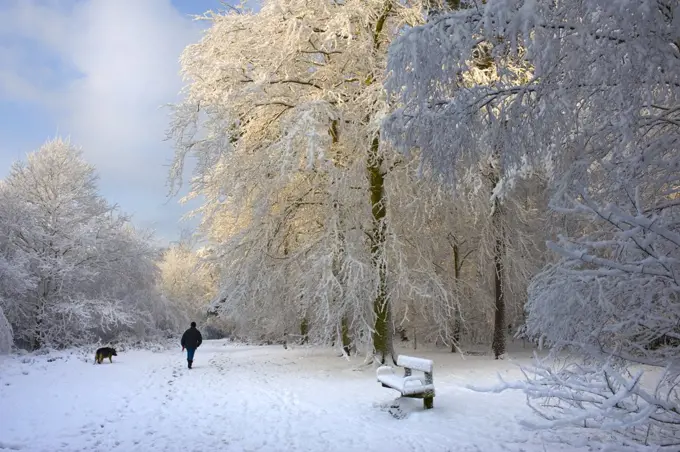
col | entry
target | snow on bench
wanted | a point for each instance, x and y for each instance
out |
(409, 362)
(410, 385)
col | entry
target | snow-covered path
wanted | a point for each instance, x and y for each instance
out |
(243, 398)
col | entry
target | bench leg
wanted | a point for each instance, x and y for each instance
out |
(428, 402)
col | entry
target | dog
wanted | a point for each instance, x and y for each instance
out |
(104, 352)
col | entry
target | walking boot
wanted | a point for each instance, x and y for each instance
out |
(190, 362)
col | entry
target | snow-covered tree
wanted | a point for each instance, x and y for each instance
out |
(288, 104)
(588, 92)
(76, 269)
(187, 279)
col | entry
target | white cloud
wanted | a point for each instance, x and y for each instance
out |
(128, 52)
(108, 67)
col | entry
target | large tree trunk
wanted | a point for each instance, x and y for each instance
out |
(498, 344)
(499, 318)
(382, 334)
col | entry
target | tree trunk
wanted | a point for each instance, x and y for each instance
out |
(499, 251)
(382, 334)
(36, 342)
(304, 330)
(457, 318)
(457, 330)
(415, 339)
(45, 290)
(382, 337)
(344, 328)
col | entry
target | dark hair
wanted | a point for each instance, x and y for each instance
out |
(193, 324)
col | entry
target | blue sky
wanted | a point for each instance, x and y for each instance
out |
(98, 71)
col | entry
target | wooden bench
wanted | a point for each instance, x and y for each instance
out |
(418, 387)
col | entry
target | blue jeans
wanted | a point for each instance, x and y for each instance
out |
(190, 354)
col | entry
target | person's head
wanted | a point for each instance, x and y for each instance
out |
(193, 324)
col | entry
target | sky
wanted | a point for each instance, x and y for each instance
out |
(100, 72)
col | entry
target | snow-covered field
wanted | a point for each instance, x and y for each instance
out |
(249, 398)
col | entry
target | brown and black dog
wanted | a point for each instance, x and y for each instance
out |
(104, 352)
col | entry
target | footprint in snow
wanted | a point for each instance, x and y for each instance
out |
(397, 413)
(394, 409)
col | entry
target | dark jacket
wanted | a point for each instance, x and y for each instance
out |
(192, 338)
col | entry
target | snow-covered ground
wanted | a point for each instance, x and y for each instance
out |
(249, 398)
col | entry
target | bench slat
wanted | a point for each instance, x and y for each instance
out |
(423, 365)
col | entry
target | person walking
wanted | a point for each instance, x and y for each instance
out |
(191, 340)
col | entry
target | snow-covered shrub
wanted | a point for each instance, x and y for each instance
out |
(614, 298)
